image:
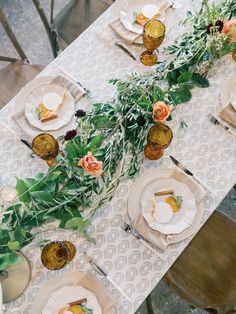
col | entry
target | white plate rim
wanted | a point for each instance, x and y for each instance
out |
(173, 238)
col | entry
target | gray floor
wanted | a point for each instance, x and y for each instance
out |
(28, 28)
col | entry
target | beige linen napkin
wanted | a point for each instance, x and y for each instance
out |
(156, 237)
(228, 114)
(122, 32)
(19, 117)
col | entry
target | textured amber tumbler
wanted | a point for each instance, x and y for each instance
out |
(153, 36)
(159, 137)
(46, 147)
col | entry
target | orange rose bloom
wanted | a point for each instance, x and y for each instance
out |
(161, 111)
(90, 164)
(230, 27)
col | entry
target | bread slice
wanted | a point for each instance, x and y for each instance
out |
(45, 114)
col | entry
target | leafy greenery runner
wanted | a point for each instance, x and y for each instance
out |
(108, 143)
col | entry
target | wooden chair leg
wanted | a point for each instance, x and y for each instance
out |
(149, 304)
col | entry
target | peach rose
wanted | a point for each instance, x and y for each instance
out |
(161, 111)
(230, 27)
(90, 164)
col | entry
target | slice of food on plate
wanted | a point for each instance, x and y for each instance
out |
(175, 202)
(50, 105)
(149, 11)
(75, 308)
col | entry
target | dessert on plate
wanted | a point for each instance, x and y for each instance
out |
(76, 307)
(149, 11)
(50, 105)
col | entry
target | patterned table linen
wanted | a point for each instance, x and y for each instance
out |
(206, 149)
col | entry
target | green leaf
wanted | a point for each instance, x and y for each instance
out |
(43, 197)
(95, 142)
(22, 189)
(13, 245)
(77, 223)
(19, 234)
(189, 14)
(184, 77)
(102, 122)
(8, 259)
(172, 77)
(200, 81)
(181, 94)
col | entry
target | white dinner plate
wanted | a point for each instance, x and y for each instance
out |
(128, 18)
(134, 204)
(68, 294)
(228, 92)
(65, 113)
(181, 219)
(69, 287)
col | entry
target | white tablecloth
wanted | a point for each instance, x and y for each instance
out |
(207, 150)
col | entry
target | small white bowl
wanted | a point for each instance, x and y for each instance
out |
(150, 10)
(162, 212)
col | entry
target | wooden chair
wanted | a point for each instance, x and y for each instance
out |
(71, 21)
(205, 273)
(15, 75)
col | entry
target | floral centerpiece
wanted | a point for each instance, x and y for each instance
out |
(108, 142)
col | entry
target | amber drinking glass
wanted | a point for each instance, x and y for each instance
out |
(153, 36)
(55, 255)
(159, 137)
(46, 147)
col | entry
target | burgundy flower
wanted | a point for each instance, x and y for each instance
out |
(218, 24)
(80, 113)
(141, 121)
(70, 134)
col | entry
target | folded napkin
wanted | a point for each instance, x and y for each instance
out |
(61, 79)
(156, 237)
(129, 37)
(228, 114)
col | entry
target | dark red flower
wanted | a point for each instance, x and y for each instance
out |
(218, 24)
(80, 113)
(141, 121)
(70, 134)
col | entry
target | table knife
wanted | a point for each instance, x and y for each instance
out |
(125, 50)
(188, 172)
(103, 273)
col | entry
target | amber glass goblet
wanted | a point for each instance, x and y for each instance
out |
(46, 147)
(234, 55)
(159, 137)
(153, 36)
(55, 255)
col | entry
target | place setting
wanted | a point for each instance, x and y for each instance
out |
(226, 118)
(133, 30)
(48, 105)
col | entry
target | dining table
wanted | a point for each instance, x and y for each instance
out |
(208, 150)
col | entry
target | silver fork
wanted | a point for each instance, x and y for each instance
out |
(215, 121)
(129, 229)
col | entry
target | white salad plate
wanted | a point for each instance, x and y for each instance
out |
(128, 17)
(181, 219)
(135, 208)
(64, 115)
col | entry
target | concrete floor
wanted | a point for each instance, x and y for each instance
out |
(29, 30)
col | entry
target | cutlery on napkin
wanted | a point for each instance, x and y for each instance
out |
(228, 114)
(129, 229)
(100, 271)
(117, 44)
(188, 172)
